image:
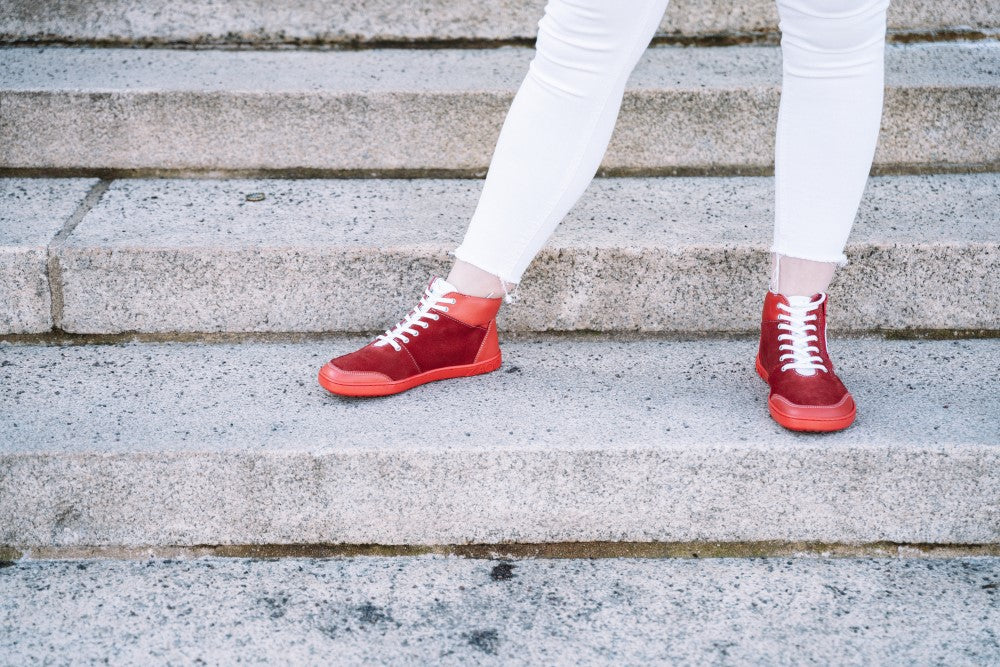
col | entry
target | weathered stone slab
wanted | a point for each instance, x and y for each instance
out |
(32, 211)
(452, 611)
(312, 22)
(189, 444)
(397, 110)
(353, 255)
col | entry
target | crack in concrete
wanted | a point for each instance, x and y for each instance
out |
(223, 338)
(303, 173)
(52, 259)
(278, 41)
(514, 551)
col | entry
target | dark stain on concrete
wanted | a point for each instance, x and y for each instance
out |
(487, 641)
(275, 605)
(502, 572)
(371, 615)
(834, 589)
(520, 550)
(67, 519)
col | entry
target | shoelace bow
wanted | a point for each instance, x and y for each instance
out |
(430, 300)
(801, 354)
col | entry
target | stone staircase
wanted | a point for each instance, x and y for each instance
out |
(438, 111)
(191, 194)
(187, 444)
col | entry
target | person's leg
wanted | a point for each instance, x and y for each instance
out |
(550, 146)
(828, 122)
(554, 136)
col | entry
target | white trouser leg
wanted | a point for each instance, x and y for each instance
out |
(558, 127)
(828, 121)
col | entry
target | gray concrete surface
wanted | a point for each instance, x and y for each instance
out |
(454, 611)
(316, 22)
(397, 109)
(177, 255)
(188, 444)
(32, 211)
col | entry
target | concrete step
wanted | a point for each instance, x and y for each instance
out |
(162, 256)
(406, 111)
(184, 444)
(434, 610)
(313, 23)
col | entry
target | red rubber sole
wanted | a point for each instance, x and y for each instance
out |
(805, 424)
(399, 386)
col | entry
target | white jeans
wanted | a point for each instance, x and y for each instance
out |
(560, 122)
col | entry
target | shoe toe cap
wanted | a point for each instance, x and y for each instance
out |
(335, 375)
(842, 408)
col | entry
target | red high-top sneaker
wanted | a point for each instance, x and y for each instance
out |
(447, 335)
(806, 395)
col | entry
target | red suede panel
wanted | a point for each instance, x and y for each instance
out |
(820, 389)
(382, 359)
(768, 347)
(771, 310)
(768, 351)
(447, 342)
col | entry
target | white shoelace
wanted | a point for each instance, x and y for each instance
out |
(801, 355)
(431, 300)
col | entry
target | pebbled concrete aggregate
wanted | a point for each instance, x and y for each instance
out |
(570, 441)
(456, 611)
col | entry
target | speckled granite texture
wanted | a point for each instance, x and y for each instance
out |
(355, 254)
(32, 211)
(434, 610)
(312, 21)
(188, 444)
(391, 109)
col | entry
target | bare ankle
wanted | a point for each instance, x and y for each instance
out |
(801, 277)
(473, 281)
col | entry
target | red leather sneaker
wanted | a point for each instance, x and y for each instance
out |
(447, 335)
(806, 395)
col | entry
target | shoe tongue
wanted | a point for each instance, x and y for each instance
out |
(441, 286)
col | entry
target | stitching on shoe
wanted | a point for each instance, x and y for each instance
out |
(483, 344)
(410, 354)
(455, 319)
